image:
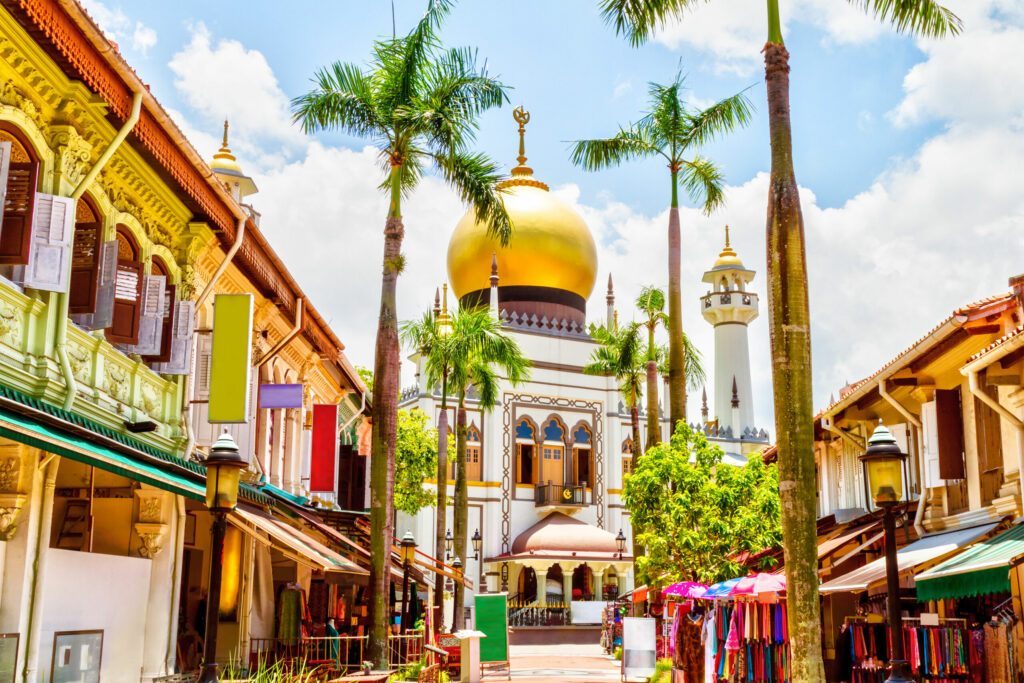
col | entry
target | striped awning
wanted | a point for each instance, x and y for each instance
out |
(981, 569)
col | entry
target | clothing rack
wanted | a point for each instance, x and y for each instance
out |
(943, 621)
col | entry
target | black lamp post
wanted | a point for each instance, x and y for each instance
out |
(224, 468)
(477, 541)
(408, 544)
(620, 542)
(457, 568)
(883, 470)
(449, 541)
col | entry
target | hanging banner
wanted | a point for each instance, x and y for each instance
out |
(230, 360)
(274, 396)
(324, 450)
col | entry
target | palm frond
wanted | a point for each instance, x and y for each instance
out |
(406, 59)
(922, 17)
(693, 367)
(722, 117)
(651, 301)
(600, 153)
(474, 177)
(703, 182)
(342, 99)
(409, 172)
(637, 20)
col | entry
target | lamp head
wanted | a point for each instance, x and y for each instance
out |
(408, 545)
(883, 467)
(620, 541)
(224, 467)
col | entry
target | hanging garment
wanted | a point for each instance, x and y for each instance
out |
(691, 648)
(997, 653)
(289, 615)
(708, 642)
(677, 650)
(844, 654)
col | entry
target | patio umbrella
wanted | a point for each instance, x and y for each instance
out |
(685, 589)
(759, 584)
(721, 589)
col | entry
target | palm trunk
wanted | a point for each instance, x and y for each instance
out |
(634, 419)
(789, 324)
(676, 350)
(442, 483)
(385, 410)
(461, 511)
(653, 414)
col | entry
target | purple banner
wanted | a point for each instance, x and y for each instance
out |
(280, 396)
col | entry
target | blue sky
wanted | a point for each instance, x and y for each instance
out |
(907, 152)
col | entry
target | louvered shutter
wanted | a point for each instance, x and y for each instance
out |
(49, 263)
(5, 166)
(949, 419)
(204, 349)
(85, 268)
(124, 329)
(19, 200)
(151, 320)
(930, 438)
(167, 332)
(182, 326)
(103, 316)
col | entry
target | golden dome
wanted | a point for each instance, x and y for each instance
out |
(224, 160)
(728, 257)
(550, 247)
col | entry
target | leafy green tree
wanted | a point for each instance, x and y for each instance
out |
(416, 460)
(651, 304)
(483, 354)
(695, 515)
(420, 104)
(672, 131)
(788, 310)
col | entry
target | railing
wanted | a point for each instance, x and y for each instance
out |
(340, 653)
(560, 494)
(536, 614)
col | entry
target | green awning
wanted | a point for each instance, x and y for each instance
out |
(52, 440)
(981, 569)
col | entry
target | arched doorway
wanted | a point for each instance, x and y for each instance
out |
(555, 585)
(583, 583)
(527, 585)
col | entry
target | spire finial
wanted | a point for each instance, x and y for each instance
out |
(735, 394)
(437, 301)
(522, 117)
(444, 299)
(704, 404)
(494, 264)
(727, 236)
(225, 143)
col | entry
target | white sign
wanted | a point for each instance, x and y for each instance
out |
(639, 648)
(587, 612)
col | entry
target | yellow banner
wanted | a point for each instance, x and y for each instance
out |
(231, 360)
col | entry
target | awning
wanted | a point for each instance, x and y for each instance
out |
(981, 569)
(927, 549)
(293, 543)
(831, 545)
(53, 440)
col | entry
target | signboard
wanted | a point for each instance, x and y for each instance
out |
(76, 657)
(587, 612)
(274, 396)
(639, 648)
(324, 448)
(230, 360)
(8, 653)
(491, 617)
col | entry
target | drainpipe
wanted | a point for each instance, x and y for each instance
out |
(179, 554)
(190, 443)
(34, 626)
(292, 334)
(972, 370)
(916, 422)
(63, 321)
(362, 407)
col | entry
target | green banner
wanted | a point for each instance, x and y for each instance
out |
(491, 617)
(231, 360)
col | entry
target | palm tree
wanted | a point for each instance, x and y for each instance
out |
(788, 312)
(651, 304)
(673, 131)
(430, 337)
(481, 352)
(621, 356)
(420, 105)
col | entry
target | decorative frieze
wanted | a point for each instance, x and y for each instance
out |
(152, 526)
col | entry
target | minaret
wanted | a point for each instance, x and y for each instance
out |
(610, 298)
(495, 312)
(704, 406)
(225, 167)
(729, 307)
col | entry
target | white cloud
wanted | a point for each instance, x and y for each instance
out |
(119, 28)
(622, 88)
(224, 80)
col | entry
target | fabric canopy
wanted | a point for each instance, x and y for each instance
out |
(53, 440)
(722, 589)
(981, 569)
(924, 550)
(759, 584)
(294, 542)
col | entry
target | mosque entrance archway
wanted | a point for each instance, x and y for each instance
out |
(527, 585)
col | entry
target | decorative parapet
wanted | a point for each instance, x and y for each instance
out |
(112, 388)
(558, 327)
(713, 431)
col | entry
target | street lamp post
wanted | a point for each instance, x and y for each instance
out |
(620, 542)
(883, 470)
(224, 468)
(408, 555)
(449, 541)
(457, 569)
(478, 542)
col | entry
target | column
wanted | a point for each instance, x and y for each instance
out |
(599, 584)
(37, 579)
(153, 528)
(542, 586)
(567, 581)
(277, 447)
(263, 440)
(291, 453)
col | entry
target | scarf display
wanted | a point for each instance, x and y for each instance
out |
(748, 642)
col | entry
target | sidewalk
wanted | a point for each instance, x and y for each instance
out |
(563, 663)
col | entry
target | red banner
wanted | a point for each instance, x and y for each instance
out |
(324, 456)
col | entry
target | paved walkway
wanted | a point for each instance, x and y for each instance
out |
(563, 663)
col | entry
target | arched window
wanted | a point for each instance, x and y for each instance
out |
(525, 430)
(474, 467)
(582, 455)
(552, 466)
(553, 430)
(526, 459)
(86, 257)
(127, 290)
(20, 185)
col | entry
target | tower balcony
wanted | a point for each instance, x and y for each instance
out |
(731, 306)
(560, 496)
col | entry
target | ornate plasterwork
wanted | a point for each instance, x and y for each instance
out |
(79, 359)
(73, 152)
(152, 526)
(12, 95)
(10, 324)
(151, 537)
(117, 382)
(10, 471)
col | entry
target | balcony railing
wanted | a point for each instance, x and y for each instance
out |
(340, 654)
(567, 495)
(535, 614)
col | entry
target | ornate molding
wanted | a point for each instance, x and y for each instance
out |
(10, 506)
(152, 538)
(73, 152)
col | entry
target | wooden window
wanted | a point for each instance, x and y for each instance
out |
(950, 424)
(19, 185)
(627, 466)
(49, 256)
(990, 446)
(85, 259)
(127, 291)
(183, 323)
(525, 465)
(473, 468)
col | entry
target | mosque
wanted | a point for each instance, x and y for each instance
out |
(545, 467)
